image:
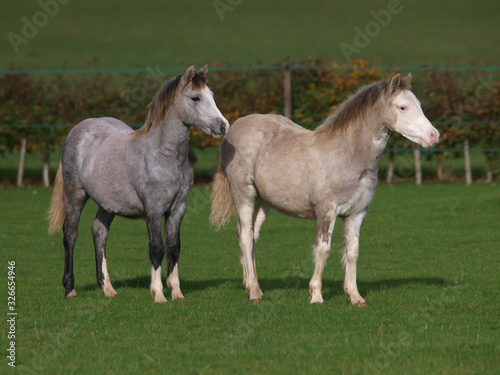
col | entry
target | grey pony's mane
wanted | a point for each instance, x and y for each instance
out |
(356, 107)
(161, 102)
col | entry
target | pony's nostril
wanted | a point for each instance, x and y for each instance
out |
(223, 128)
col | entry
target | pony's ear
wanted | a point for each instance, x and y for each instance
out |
(188, 75)
(395, 83)
(203, 70)
(406, 82)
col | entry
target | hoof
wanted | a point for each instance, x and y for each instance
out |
(112, 294)
(177, 296)
(158, 297)
(316, 298)
(359, 302)
(109, 292)
(255, 294)
(256, 297)
(355, 299)
(318, 301)
(71, 294)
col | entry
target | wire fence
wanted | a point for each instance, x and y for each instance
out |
(260, 67)
(305, 124)
(286, 68)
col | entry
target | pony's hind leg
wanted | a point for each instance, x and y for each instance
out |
(352, 227)
(156, 254)
(100, 231)
(246, 240)
(173, 240)
(321, 252)
(75, 201)
(260, 214)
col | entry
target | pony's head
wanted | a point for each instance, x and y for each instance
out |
(195, 104)
(192, 102)
(406, 115)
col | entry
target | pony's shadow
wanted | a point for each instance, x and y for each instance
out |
(187, 286)
(331, 287)
(334, 287)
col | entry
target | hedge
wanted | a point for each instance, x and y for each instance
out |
(458, 97)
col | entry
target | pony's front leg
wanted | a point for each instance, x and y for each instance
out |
(352, 227)
(156, 253)
(172, 232)
(321, 252)
(100, 231)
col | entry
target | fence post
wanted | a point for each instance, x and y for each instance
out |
(390, 167)
(439, 166)
(287, 86)
(46, 177)
(20, 170)
(418, 166)
(489, 172)
(468, 172)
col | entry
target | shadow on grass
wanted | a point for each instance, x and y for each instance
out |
(331, 288)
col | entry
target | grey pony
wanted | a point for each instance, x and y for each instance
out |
(135, 174)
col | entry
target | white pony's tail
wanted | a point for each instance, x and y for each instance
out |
(223, 207)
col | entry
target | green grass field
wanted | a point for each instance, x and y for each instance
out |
(428, 269)
(127, 34)
(429, 263)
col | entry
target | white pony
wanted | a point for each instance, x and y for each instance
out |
(267, 161)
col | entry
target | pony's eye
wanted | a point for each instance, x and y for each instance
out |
(195, 98)
(403, 108)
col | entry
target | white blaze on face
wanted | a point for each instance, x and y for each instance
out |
(411, 121)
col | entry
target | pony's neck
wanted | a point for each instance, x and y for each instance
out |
(171, 138)
(370, 135)
(364, 140)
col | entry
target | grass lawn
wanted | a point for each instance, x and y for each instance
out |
(428, 270)
(428, 266)
(127, 33)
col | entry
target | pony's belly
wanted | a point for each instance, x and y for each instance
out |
(120, 204)
(129, 211)
(288, 203)
(290, 211)
(284, 184)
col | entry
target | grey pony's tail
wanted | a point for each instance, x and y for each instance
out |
(57, 211)
(223, 207)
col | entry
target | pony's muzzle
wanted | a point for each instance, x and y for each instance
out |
(219, 128)
(223, 128)
(434, 136)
